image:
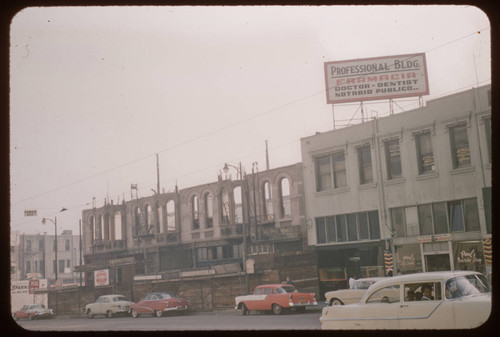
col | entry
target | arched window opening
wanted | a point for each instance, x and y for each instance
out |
(171, 216)
(268, 202)
(209, 210)
(196, 213)
(285, 202)
(106, 228)
(149, 219)
(100, 221)
(159, 214)
(137, 216)
(224, 206)
(118, 226)
(238, 205)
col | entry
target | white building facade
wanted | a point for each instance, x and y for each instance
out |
(409, 192)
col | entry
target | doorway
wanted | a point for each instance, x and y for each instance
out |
(437, 262)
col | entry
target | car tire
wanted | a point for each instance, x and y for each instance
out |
(336, 301)
(109, 314)
(244, 310)
(134, 313)
(89, 314)
(277, 309)
(30, 317)
(158, 313)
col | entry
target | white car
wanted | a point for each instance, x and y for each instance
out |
(352, 295)
(435, 300)
(108, 305)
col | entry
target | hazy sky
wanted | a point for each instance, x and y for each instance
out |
(96, 92)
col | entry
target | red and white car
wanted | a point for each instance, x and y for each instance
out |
(275, 297)
(159, 303)
(33, 311)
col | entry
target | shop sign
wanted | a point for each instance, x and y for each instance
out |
(434, 238)
(407, 261)
(101, 277)
(34, 284)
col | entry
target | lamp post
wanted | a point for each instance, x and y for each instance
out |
(245, 187)
(44, 221)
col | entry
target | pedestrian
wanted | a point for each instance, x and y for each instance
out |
(289, 280)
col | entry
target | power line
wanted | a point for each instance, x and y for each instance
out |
(211, 133)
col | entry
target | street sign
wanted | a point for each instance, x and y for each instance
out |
(30, 212)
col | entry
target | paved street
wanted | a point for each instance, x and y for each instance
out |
(197, 321)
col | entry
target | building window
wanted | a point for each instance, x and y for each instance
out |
(149, 219)
(268, 202)
(397, 218)
(339, 170)
(224, 206)
(40, 245)
(365, 165)
(425, 219)
(61, 266)
(54, 244)
(238, 205)
(459, 141)
(66, 245)
(195, 212)
(285, 198)
(171, 216)
(440, 218)
(348, 227)
(118, 226)
(425, 156)
(487, 130)
(28, 266)
(28, 245)
(323, 173)
(436, 218)
(209, 210)
(393, 159)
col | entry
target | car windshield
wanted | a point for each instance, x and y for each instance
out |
(363, 284)
(165, 296)
(468, 285)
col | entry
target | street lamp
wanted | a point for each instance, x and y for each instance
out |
(44, 221)
(238, 170)
(245, 188)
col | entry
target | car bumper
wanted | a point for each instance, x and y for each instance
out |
(177, 308)
(305, 304)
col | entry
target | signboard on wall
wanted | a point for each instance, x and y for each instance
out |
(376, 78)
(101, 277)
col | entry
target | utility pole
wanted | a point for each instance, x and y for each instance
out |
(157, 175)
(267, 157)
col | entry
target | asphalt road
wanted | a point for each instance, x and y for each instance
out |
(228, 320)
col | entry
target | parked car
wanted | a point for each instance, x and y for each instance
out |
(275, 297)
(352, 295)
(159, 303)
(33, 311)
(434, 300)
(108, 305)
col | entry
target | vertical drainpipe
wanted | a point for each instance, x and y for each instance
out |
(381, 192)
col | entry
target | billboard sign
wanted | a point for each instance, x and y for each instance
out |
(376, 78)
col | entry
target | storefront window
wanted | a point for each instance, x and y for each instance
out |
(409, 259)
(469, 255)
